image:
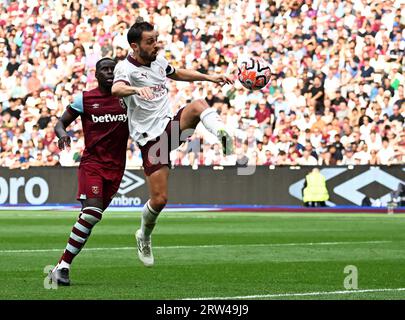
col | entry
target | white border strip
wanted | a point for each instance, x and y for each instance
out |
(299, 294)
(206, 246)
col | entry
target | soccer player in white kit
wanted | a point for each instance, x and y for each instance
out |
(141, 81)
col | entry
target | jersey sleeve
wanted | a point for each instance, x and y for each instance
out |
(166, 65)
(77, 105)
(120, 74)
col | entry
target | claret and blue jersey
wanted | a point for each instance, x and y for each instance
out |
(105, 127)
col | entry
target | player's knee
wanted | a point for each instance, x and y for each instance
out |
(162, 200)
(202, 104)
(199, 106)
(92, 215)
(92, 220)
(159, 201)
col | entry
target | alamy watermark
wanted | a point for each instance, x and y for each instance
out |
(159, 152)
(49, 281)
(351, 281)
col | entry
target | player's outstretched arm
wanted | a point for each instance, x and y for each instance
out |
(60, 128)
(121, 89)
(192, 75)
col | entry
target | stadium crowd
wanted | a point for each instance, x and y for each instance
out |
(337, 96)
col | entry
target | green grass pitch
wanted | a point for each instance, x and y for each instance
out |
(208, 255)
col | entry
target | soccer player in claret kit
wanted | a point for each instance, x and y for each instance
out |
(141, 81)
(105, 127)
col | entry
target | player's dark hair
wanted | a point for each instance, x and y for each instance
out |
(98, 64)
(135, 32)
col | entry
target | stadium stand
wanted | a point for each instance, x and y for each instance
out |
(337, 97)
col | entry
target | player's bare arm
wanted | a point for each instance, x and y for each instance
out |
(60, 129)
(121, 89)
(192, 75)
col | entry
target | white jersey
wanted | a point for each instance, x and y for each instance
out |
(147, 119)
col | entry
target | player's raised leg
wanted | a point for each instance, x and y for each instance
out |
(199, 110)
(90, 215)
(157, 183)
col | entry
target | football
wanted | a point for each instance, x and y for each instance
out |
(254, 73)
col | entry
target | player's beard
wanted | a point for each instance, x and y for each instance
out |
(146, 56)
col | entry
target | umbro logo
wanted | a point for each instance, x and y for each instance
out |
(130, 182)
(351, 188)
(95, 106)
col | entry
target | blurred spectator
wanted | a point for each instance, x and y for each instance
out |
(337, 96)
(386, 153)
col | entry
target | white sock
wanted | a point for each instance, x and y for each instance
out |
(212, 121)
(63, 264)
(149, 217)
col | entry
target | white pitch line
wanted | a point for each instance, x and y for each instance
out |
(299, 294)
(206, 246)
